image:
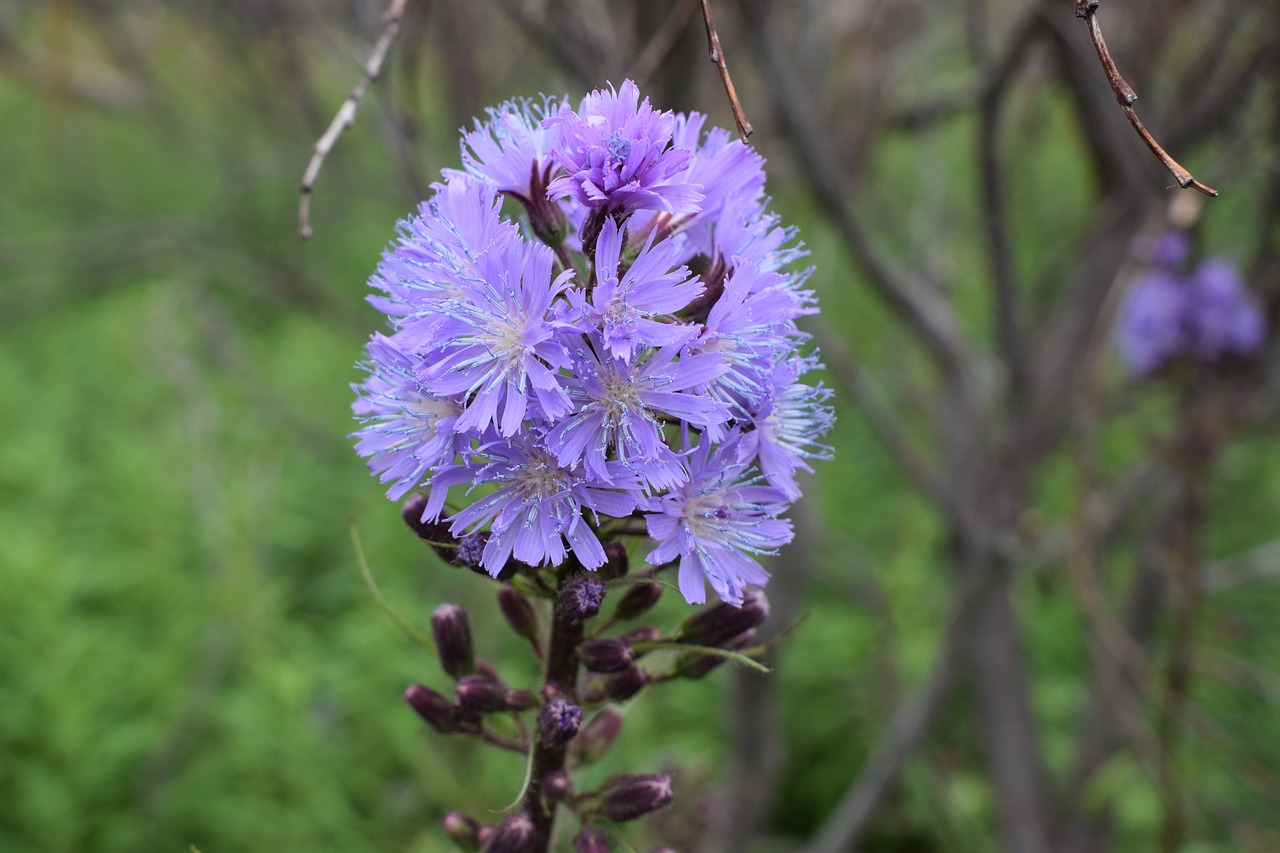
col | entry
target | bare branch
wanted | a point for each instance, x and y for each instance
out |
(347, 112)
(923, 309)
(717, 56)
(913, 718)
(1088, 10)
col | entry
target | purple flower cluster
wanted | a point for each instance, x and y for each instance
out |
(1205, 313)
(625, 346)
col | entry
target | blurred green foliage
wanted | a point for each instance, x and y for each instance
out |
(189, 655)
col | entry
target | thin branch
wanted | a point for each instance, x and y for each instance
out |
(884, 422)
(347, 112)
(1088, 10)
(904, 731)
(923, 309)
(717, 56)
(660, 43)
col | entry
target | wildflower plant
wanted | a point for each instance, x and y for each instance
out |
(592, 346)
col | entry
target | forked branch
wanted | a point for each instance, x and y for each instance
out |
(347, 112)
(1125, 96)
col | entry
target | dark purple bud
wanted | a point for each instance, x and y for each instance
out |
(452, 633)
(721, 622)
(638, 600)
(522, 700)
(609, 655)
(581, 598)
(624, 685)
(558, 721)
(434, 533)
(462, 830)
(624, 798)
(546, 217)
(514, 835)
(590, 840)
(556, 786)
(694, 664)
(598, 734)
(642, 634)
(713, 288)
(616, 562)
(432, 707)
(477, 694)
(519, 613)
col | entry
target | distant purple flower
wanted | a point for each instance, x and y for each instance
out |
(1171, 250)
(615, 148)
(1208, 314)
(536, 513)
(1151, 326)
(715, 522)
(1225, 316)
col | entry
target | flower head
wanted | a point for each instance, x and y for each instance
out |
(616, 150)
(715, 522)
(569, 386)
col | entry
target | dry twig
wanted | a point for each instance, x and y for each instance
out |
(1088, 10)
(717, 56)
(347, 112)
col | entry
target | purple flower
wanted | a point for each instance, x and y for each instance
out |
(1224, 316)
(438, 248)
(1150, 329)
(407, 430)
(512, 144)
(715, 522)
(787, 426)
(537, 507)
(566, 381)
(625, 309)
(616, 151)
(617, 404)
(1206, 315)
(495, 343)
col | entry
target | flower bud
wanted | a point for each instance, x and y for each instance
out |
(581, 598)
(546, 217)
(642, 634)
(558, 721)
(514, 835)
(519, 613)
(452, 632)
(624, 798)
(462, 830)
(556, 786)
(695, 664)
(590, 840)
(616, 562)
(521, 700)
(626, 684)
(719, 623)
(434, 533)
(637, 600)
(477, 694)
(610, 655)
(598, 734)
(432, 707)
